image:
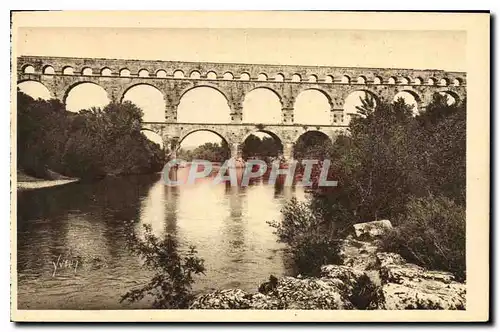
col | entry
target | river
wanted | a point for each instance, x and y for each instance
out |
(81, 228)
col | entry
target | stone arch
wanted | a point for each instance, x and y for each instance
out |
(262, 77)
(310, 138)
(28, 69)
(378, 80)
(354, 100)
(133, 85)
(48, 70)
(276, 136)
(279, 77)
(204, 85)
(452, 97)
(312, 78)
(323, 107)
(228, 75)
(296, 78)
(151, 101)
(312, 130)
(78, 85)
(161, 73)
(153, 136)
(443, 82)
(34, 89)
(124, 72)
(183, 136)
(143, 73)
(68, 70)
(195, 74)
(361, 79)
(178, 73)
(457, 81)
(276, 151)
(410, 97)
(271, 114)
(217, 99)
(211, 75)
(345, 79)
(106, 72)
(392, 80)
(431, 81)
(405, 80)
(245, 76)
(87, 71)
(328, 79)
(418, 81)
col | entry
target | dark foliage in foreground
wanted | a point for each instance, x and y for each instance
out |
(311, 240)
(392, 165)
(89, 144)
(170, 287)
(431, 233)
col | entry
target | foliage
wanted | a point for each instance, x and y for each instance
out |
(312, 242)
(208, 151)
(365, 294)
(389, 159)
(256, 147)
(312, 145)
(171, 284)
(90, 144)
(431, 233)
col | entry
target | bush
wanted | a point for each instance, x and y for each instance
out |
(432, 234)
(312, 242)
(171, 284)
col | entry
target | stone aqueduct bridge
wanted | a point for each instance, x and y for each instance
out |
(234, 81)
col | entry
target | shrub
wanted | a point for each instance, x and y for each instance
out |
(312, 242)
(171, 284)
(432, 234)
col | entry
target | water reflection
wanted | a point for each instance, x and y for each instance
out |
(227, 224)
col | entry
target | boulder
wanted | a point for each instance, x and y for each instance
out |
(342, 277)
(359, 255)
(311, 293)
(373, 229)
(408, 286)
(223, 299)
(290, 293)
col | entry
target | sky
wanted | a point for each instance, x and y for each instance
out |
(357, 48)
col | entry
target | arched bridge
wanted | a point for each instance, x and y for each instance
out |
(235, 81)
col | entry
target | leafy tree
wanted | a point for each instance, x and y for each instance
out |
(90, 144)
(431, 233)
(208, 151)
(256, 147)
(388, 159)
(174, 274)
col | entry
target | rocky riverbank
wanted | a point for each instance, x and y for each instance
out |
(367, 279)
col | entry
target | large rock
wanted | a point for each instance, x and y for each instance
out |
(371, 230)
(408, 286)
(289, 293)
(235, 299)
(342, 277)
(359, 255)
(311, 293)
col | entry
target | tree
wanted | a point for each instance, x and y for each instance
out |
(171, 284)
(256, 147)
(387, 161)
(89, 144)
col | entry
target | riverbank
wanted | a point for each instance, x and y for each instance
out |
(367, 279)
(27, 182)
